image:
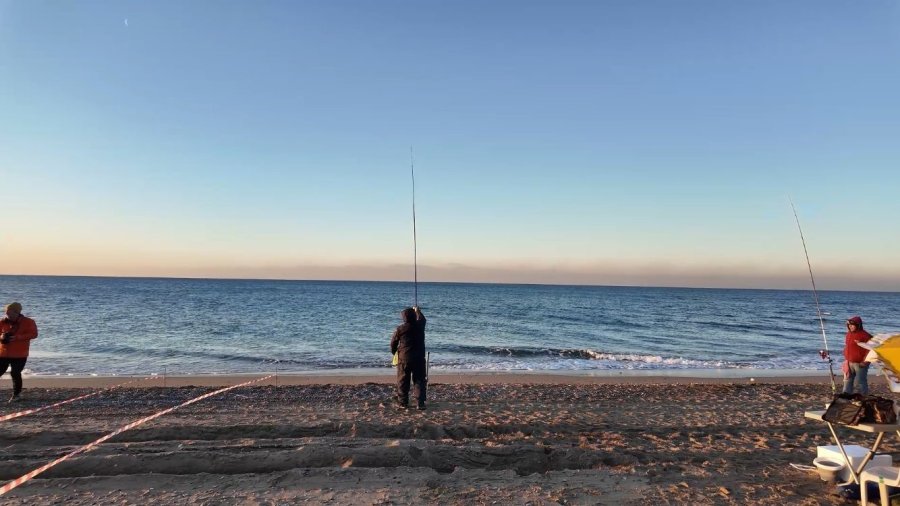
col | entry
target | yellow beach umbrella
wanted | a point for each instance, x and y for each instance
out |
(887, 350)
(889, 353)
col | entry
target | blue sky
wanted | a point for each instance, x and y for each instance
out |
(649, 143)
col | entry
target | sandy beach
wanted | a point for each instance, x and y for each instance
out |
(485, 439)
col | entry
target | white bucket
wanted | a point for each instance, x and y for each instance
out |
(828, 469)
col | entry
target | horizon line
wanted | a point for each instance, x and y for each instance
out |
(299, 280)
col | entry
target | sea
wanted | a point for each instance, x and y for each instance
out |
(151, 326)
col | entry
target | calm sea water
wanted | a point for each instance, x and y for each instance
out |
(137, 326)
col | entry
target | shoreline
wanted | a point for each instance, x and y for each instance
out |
(387, 376)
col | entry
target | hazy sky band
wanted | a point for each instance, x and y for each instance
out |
(620, 143)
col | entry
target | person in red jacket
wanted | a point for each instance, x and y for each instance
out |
(16, 333)
(855, 356)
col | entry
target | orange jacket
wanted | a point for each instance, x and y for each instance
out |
(23, 331)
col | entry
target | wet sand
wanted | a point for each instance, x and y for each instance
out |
(487, 438)
(386, 376)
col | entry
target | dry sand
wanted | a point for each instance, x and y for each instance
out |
(485, 439)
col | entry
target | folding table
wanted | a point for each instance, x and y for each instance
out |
(879, 429)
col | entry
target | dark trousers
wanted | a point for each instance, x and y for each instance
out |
(17, 365)
(415, 370)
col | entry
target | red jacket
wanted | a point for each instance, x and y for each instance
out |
(23, 331)
(852, 351)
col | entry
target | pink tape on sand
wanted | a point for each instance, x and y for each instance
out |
(90, 446)
(60, 403)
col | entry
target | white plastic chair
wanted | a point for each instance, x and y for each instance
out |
(885, 477)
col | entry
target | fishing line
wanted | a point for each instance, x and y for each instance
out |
(412, 172)
(825, 354)
(90, 446)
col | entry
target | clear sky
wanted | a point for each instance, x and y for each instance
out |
(607, 142)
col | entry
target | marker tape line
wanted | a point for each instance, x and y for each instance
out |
(60, 403)
(90, 446)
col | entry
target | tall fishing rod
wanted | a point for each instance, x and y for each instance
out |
(412, 172)
(825, 354)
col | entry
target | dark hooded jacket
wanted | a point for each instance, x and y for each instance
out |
(408, 340)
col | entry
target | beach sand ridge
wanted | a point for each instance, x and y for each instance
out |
(686, 443)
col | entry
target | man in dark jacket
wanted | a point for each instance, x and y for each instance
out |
(408, 342)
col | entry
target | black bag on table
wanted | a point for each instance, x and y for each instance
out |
(845, 409)
(853, 409)
(878, 410)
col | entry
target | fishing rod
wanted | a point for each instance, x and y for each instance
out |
(825, 354)
(412, 172)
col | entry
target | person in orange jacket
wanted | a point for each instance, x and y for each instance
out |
(16, 333)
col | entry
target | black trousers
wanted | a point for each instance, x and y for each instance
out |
(414, 370)
(17, 365)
